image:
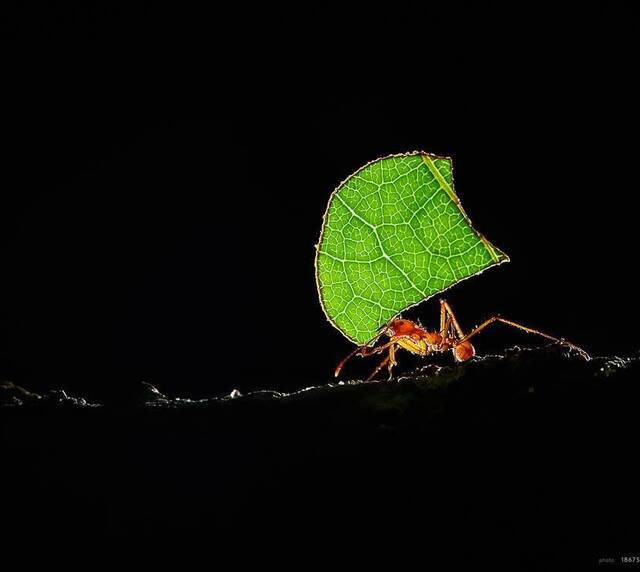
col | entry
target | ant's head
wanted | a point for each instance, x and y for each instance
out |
(464, 351)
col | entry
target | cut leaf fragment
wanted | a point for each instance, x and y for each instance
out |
(394, 234)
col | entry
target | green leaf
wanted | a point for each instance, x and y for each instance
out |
(394, 234)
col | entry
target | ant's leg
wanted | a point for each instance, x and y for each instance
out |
(445, 331)
(445, 324)
(510, 323)
(392, 359)
(490, 321)
(446, 309)
(444, 328)
(384, 362)
(362, 351)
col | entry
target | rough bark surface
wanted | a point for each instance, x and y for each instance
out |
(527, 456)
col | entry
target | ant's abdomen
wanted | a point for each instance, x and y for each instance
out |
(464, 351)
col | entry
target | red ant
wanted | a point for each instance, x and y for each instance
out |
(414, 338)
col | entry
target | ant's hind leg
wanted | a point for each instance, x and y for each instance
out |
(494, 319)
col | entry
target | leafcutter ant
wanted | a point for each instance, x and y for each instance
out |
(415, 339)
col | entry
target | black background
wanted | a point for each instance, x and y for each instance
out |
(165, 173)
(164, 176)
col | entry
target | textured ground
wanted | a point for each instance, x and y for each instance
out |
(527, 458)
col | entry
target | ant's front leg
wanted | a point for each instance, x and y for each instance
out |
(392, 360)
(389, 361)
(362, 351)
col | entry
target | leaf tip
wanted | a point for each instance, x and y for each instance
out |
(496, 254)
